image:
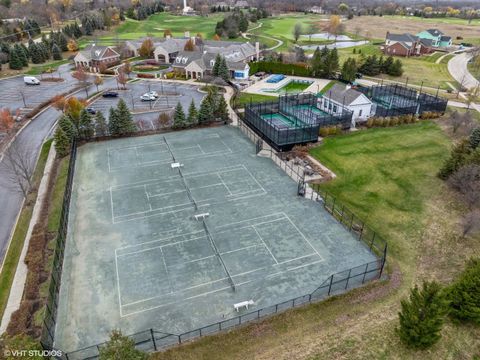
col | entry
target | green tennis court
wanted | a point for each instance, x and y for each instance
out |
(169, 232)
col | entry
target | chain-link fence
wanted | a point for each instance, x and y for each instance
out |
(49, 321)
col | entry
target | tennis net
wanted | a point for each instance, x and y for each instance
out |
(215, 249)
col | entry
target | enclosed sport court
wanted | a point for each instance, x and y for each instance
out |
(172, 232)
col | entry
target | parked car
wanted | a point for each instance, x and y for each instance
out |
(153, 93)
(91, 111)
(31, 80)
(148, 97)
(110, 94)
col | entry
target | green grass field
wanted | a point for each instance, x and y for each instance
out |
(245, 98)
(281, 27)
(416, 69)
(386, 176)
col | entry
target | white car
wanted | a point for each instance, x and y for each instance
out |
(153, 93)
(147, 97)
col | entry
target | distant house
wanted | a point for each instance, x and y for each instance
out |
(341, 97)
(241, 4)
(438, 38)
(316, 10)
(406, 45)
(94, 57)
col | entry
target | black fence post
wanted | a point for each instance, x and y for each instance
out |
(153, 340)
(383, 261)
(330, 286)
(348, 278)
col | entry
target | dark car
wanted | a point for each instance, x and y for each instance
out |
(110, 94)
(91, 111)
(359, 75)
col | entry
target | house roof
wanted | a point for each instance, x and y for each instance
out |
(96, 52)
(434, 32)
(342, 94)
(241, 3)
(402, 37)
(445, 38)
(426, 42)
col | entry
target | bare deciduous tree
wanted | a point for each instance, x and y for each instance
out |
(467, 182)
(19, 164)
(461, 124)
(471, 223)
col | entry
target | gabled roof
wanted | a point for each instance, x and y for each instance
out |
(426, 42)
(434, 32)
(184, 58)
(445, 38)
(96, 52)
(402, 37)
(342, 94)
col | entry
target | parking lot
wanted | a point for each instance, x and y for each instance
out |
(14, 94)
(169, 94)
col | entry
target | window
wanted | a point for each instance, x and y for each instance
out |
(360, 112)
(334, 108)
(329, 106)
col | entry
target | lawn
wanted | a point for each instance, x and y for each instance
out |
(387, 176)
(246, 98)
(16, 244)
(40, 69)
(281, 27)
(156, 24)
(416, 69)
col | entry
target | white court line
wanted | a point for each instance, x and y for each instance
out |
(118, 285)
(152, 210)
(244, 248)
(268, 249)
(242, 221)
(148, 198)
(304, 237)
(155, 213)
(163, 239)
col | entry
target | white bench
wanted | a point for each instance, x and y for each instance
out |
(243, 304)
(176, 165)
(201, 216)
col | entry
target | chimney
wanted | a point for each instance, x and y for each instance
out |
(348, 87)
(187, 34)
(169, 36)
(257, 50)
(194, 40)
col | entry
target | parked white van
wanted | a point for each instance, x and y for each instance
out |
(31, 80)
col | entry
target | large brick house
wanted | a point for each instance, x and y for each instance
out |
(406, 45)
(94, 57)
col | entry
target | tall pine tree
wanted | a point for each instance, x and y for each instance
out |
(422, 316)
(67, 126)
(125, 120)
(62, 142)
(179, 117)
(205, 113)
(15, 63)
(86, 126)
(221, 111)
(113, 122)
(56, 53)
(101, 128)
(192, 114)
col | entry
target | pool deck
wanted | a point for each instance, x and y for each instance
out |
(260, 86)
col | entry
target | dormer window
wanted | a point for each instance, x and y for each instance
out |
(178, 59)
(212, 63)
(184, 60)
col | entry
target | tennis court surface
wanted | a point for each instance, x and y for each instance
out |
(139, 256)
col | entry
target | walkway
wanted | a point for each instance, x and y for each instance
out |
(247, 35)
(457, 67)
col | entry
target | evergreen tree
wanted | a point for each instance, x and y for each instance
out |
(221, 110)
(317, 63)
(101, 128)
(125, 120)
(223, 71)
(56, 53)
(243, 23)
(474, 138)
(15, 63)
(464, 294)
(458, 157)
(332, 63)
(21, 55)
(62, 42)
(179, 117)
(395, 69)
(205, 113)
(120, 347)
(192, 114)
(62, 142)
(113, 122)
(216, 65)
(387, 65)
(86, 126)
(422, 316)
(349, 70)
(44, 51)
(88, 29)
(66, 124)
(35, 53)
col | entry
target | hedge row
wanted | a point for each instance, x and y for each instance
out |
(299, 69)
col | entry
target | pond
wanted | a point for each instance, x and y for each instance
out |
(338, 45)
(327, 36)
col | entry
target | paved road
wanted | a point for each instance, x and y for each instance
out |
(457, 67)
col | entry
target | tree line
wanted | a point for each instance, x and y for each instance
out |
(237, 22)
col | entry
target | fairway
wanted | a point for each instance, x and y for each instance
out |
(138, 256)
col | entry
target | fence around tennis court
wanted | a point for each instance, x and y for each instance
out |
(51, 306)
(154, 340)
(397, 99)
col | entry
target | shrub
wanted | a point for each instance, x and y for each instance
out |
(370, 122)
(378, 121)
(146, 76)
(386, 122)
(324, 131)
(170, 75)
(464, 294)
(422, 315)
(394, 121)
